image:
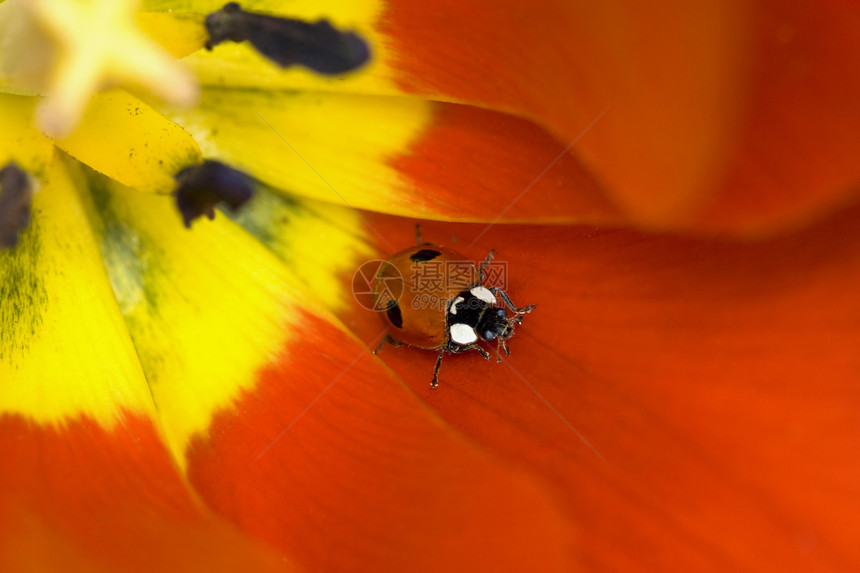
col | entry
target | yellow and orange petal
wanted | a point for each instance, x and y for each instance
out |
(83, 498)
(331, 459)
(397, 155)
(87, 482)
(693, 368)
(237, 349)
(734, 116)
(666, 386)
(726, 117)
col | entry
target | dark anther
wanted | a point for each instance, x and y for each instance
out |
(16, 195)
(287, 42)
(200, 187)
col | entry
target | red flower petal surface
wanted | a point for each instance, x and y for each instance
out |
(715, 384)
(331, 460)
(720, 116)
(472, 163)
(84, 499)
(86, 480)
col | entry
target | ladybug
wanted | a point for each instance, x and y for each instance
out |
(433, 298)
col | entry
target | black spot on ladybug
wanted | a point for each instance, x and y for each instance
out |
(393, 312)
(200, 187)
(16, 197)
(286, 42)
(424, 255)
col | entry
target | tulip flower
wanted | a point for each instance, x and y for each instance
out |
(674, 187)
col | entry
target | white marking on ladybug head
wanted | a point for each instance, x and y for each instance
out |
(484, 294)
(454, 304)
(463, 333)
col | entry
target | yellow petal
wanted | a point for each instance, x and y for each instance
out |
(64, 348)
(20, 141)
(238, 64)
(317, 241)
(126, 139)
(330, 147)
(179, 33)
(207, 308)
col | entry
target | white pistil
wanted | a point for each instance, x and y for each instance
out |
(92, 45)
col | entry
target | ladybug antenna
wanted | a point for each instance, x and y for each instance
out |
(502, 345)
(435, 381)
(484, 264)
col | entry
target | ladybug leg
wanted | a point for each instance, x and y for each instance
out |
(484, 264)
(501, 346)
(510, 304)
(468, 347)
(435, 381)
(389, 340)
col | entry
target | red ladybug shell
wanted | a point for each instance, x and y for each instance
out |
(416, 287)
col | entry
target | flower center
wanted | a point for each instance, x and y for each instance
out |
(72, 49)
(68, 50)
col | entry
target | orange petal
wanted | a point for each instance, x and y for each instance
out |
(798, 127)
(480, 165)
(81, 498)
(397, 155)
(727, 116)
(716, 380)
(332, 460)
(86, 481)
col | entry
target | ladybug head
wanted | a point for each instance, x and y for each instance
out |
(495, 324)
(476, 315)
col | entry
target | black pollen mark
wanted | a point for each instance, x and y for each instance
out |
(393, 312)
(285, 41)
(200, 187)
(424, 255)
(16, 196)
